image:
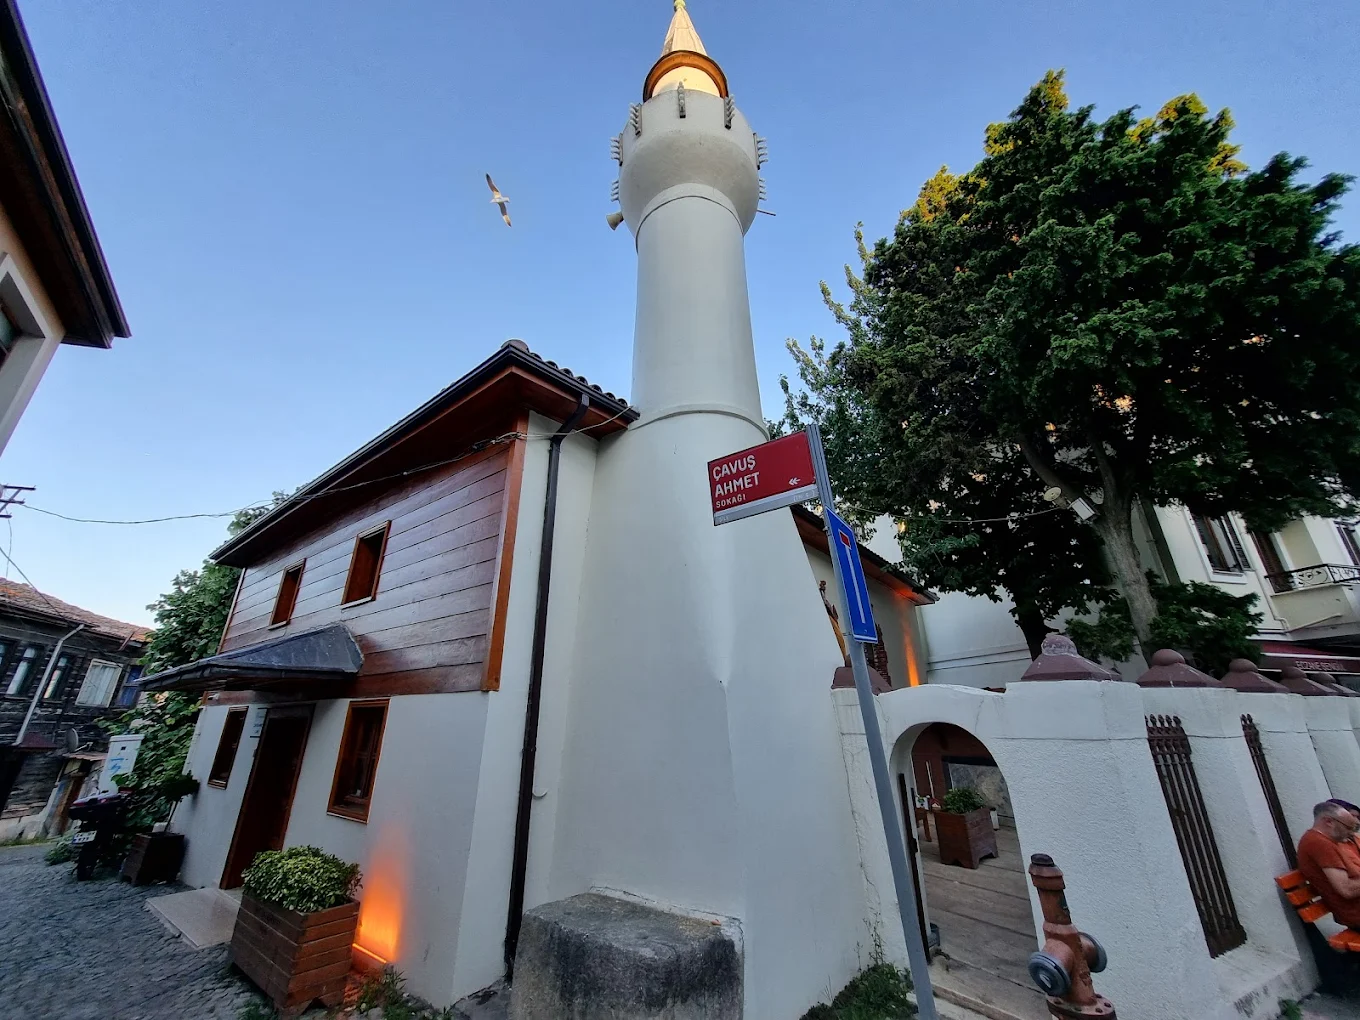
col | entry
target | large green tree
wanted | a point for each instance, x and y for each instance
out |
(987, 532)
(1123, 312)
(190, 619)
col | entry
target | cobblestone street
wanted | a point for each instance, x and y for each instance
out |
(92, 951)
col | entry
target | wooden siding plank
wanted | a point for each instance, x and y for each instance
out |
(514, 480)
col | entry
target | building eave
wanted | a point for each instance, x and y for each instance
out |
(543, 387)
(44, 197)
(876, 568)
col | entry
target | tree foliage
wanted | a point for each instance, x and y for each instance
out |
(981, 533)
(1119, 310)
(190, 619)
(1210, 626)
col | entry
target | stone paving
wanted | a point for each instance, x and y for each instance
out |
(92, 951)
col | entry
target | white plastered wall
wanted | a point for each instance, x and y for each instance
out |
(40, 326)
(1329, 724)
(702, 768)
(973, 642)
(482, 929)
(1076, 761)
(1288, 746)
(1275, 963)
(891, 613)
(415, 848)
(208, 818)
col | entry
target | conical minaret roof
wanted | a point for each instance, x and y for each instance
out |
(682, 35)
(684, 61)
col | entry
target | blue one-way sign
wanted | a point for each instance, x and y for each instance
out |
(845, 547)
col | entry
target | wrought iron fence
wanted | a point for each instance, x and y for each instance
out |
(1258, 758)
(1194, 834)
(1312, 577)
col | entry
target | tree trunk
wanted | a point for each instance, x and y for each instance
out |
(1115, 527)
(1035, 629)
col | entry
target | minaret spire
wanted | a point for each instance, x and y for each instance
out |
(682, 34)
(684, 61)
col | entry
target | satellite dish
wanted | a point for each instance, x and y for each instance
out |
(1052, 495)
(72, 740)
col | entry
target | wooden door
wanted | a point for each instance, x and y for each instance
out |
(263, 820)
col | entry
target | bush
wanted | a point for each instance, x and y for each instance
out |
(879, 993)
(1202, 621)
(302, 878)
(63, 851)
(962, 799)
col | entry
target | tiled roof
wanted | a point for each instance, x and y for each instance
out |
(522, 346)
(29, 599)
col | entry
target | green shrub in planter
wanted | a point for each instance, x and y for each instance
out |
(962, 799)
(302, 878)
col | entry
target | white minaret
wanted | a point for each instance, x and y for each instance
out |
(702, 768)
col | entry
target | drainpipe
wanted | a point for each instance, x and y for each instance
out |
(524, 810)
(47, 673)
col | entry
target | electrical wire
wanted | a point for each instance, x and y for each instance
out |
(295, 500)
(63, 613)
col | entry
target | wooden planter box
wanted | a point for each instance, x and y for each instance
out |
(153, 857)
(295, 958)
(965, 839)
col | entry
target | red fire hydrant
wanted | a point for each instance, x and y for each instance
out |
(1063, 968)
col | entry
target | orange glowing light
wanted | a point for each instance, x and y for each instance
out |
(383, 899)
(379, 920)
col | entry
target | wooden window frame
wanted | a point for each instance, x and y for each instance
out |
(216, 777)
(1345, 530)
(354, 811)
(348, 598)
(117, 679)
(275, 620)
(23, 660)
(55, 687)
(1226, 548)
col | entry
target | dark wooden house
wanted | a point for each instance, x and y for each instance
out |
(93, 674)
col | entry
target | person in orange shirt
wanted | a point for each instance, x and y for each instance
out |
(1350, 847)
(1328, 867)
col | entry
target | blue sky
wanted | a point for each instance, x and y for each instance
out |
(291, 201)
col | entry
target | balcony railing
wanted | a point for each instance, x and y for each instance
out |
(1313, 577)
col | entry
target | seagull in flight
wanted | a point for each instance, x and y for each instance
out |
(499, 200)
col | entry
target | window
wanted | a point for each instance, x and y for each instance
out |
(131, 689)
(1349, 541)
(56, 680)
(1272, 560)
(362, 583)
(9, 333)
(1221, 544)
(22, 670)
(358, 762)
(101, 679)
(226, 747)
(286, 600)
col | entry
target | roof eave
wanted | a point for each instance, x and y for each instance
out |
(22, 90)
(509, 354)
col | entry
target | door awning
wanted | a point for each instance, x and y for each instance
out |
(1278, 654)
(330, 653)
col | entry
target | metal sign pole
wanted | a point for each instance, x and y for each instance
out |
(897, 854)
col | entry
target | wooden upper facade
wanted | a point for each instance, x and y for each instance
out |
(435, 500)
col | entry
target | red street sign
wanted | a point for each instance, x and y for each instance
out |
(765, 477)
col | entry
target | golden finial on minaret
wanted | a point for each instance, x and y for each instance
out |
(684, 59)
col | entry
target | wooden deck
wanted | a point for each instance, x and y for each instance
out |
(986, 931)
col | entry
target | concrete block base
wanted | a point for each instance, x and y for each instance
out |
(594, 956)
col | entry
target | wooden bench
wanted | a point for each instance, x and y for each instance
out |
(1311, 910)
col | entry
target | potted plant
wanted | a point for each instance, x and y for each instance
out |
(295, 928)
(964, 828)
(155, 856)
